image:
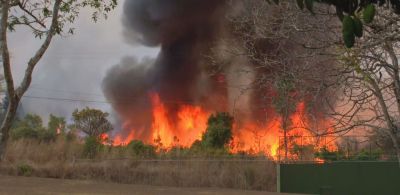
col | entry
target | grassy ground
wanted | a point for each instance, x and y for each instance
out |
(61, 159)
(29, 185)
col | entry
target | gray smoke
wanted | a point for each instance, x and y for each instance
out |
(184, 30)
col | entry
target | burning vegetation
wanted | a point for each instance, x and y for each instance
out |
(167, 102)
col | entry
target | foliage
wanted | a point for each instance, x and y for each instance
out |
(92, 147)
(219, 131)
(303, 152)
(369, 81)
(375, 154)
(350, 12)
(140, 149)
(363, 155)
(285, 99)
(46, 19)
(56, 124)
(31, 126)
(37, 15)
(383, 141)
(92, 122)
(24, 170)
(325, 154)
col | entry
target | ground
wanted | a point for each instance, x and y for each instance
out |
(31, 185)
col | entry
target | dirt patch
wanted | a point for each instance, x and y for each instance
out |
(31, 185)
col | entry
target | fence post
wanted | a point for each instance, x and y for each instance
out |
(1, 41)
(278, 177)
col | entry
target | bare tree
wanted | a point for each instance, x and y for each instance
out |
(286, 52)
(46, 19)
(92, 122)
(371, 81)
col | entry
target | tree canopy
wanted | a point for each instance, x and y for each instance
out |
(46, 19)
(219, 130)
(92, 122)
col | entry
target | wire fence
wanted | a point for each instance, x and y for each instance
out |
(332, 148)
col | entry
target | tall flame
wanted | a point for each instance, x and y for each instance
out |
(191, 123)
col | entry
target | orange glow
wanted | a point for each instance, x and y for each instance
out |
(190, 125)
(104, 138)
(187, 124)
(124, 140)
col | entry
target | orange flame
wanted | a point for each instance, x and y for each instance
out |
(191, 122)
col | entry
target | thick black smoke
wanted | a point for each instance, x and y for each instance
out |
(184, 30)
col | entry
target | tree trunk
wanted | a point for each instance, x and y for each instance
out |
(15, 95)
(396, 144)
(286, 144)
(5, 127)
(5, 59)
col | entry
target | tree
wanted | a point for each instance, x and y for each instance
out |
(219, 131)
(287, 55)
(140, 149)
(92, 122)
(352, 13)
(31, 126)
(285, 104)
(46, 19)
(370, 81)
(56, 125)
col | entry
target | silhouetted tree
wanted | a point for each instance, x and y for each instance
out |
(219, 131)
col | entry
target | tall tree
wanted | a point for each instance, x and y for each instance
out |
(56, 125)
(285, 105)
(46, 19)
(219, 131)
(92, 122)
(370, 77)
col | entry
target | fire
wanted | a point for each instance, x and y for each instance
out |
(190, 122)
(190, 125)
(121, 140)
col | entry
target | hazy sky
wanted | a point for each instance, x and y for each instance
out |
(74, 66)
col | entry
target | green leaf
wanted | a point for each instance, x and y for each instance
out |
(348, 31)
(310, 5)
(358, 27)
(300, 3)
(369, 13)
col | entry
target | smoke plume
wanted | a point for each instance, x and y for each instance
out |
(184, 30)
(188, 32)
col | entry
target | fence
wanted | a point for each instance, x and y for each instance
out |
(246, 174)
(340, 178)
(331, 148)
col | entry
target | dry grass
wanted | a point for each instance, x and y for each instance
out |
(61, 159)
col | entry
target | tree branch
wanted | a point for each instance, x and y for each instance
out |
(38, 55)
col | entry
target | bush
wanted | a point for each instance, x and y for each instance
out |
(325, 154)
(139, 149)
(91, 147)
(369, 155)
(31, 127)
(219, 131)
(24, 170)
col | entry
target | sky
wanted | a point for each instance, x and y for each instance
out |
(70, 74)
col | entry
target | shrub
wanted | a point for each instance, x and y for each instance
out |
(24, 170)
(325, 154)
(219, 131)
(139, 149)
(91, 147)
(368, 155)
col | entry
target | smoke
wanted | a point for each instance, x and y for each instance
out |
(187, 32)
(184, 30)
